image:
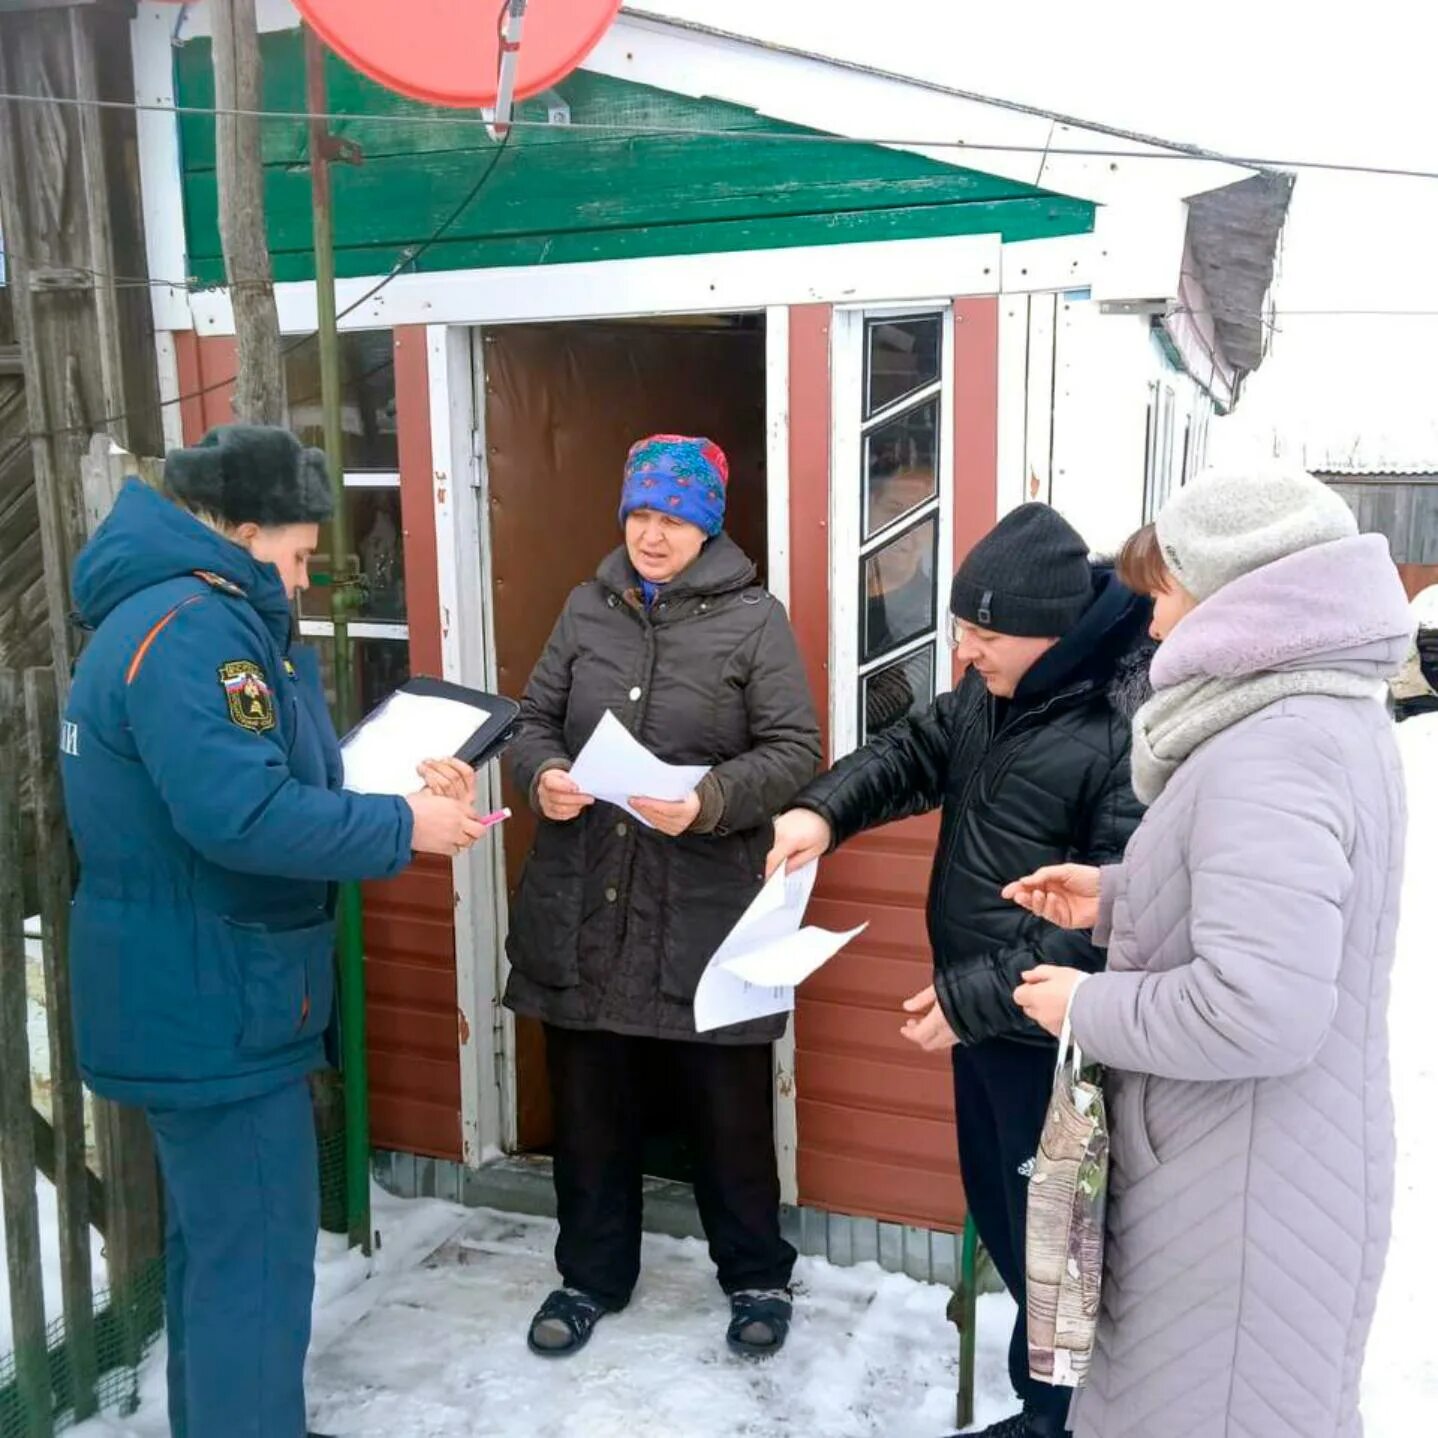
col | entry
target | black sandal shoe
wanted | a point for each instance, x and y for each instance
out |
(760, 1322)
(564, 1323)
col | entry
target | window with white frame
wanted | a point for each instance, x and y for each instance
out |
(1158, 479)
(378, 624)
(892, 476)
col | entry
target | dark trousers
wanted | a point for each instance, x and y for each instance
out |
(724, 1094)
(243, 1209)
(1001, 1092)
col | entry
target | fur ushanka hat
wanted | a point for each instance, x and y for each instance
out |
(252, 474)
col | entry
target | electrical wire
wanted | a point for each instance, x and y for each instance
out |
(1190, 155)
(410, 256)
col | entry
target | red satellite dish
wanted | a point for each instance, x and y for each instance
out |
(447, 51)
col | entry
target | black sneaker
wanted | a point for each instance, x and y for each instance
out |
(1016, 1425)
(759, 1321)
(564, 1323)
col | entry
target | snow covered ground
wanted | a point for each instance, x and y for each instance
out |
(433, 1347)
(429, 1343)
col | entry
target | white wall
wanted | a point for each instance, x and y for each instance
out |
(1075, 389)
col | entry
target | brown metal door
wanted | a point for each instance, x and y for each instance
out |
(563, 403)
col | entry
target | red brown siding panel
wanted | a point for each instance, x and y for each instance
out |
(411, 1012)
(912, 1194)
(1417, 577)
(414, 1126)
(416, 497)
(410, 981)
(976, 425)
(876, 1124)
(809, 420)
(206, 367)
(976, 420)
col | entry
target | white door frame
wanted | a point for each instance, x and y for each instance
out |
(489, 1117)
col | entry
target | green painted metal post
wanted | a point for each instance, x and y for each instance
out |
(342, 593)
(968, 1321)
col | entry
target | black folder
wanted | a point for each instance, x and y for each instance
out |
(495, 718)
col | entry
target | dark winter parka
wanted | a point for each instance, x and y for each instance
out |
(1039, 779)
(614, 922)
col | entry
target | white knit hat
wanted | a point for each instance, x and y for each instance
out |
(1225, 525)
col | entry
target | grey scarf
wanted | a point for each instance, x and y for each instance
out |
(1176, 721)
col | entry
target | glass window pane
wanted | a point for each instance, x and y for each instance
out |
(376, 553)
(379, 667)
(900, 469)
(367, 403)
(897, 690)
(898, 597)
(902, 356)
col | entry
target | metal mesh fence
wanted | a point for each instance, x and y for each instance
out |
(129, 1320)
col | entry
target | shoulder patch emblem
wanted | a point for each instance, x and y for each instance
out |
(218, 581)
(252, 704)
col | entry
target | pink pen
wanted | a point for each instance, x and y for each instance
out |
(489, 821)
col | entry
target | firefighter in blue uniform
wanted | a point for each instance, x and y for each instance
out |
(202, 778)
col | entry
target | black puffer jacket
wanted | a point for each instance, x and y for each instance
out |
(1041, 779)
(614, 923)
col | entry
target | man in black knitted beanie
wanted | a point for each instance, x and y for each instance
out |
(1028, 760)
(1029, 576)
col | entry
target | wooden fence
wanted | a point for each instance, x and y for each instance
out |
(63, 1369)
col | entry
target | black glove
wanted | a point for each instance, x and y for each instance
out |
(1428, 655)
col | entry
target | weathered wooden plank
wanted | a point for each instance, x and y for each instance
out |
(45, 1162)
(17, 1135)
(1423, 540)
(133, 1214)
(68, 201)
(67, 1101)
(260, 375)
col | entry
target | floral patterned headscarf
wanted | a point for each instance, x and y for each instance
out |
(677, 474)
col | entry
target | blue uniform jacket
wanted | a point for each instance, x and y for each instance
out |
(202, 780)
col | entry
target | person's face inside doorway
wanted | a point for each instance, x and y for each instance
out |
(661, 546)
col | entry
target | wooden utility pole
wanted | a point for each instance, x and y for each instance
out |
(239, 171)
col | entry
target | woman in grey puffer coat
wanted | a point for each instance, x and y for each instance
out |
(1243, 1014)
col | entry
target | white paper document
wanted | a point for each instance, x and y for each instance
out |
(766, 955)
(616, 767)
(383, 756)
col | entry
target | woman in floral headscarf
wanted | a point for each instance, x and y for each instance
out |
(615, 920)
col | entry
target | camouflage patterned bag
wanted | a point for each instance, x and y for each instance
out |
(1068, 1190)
